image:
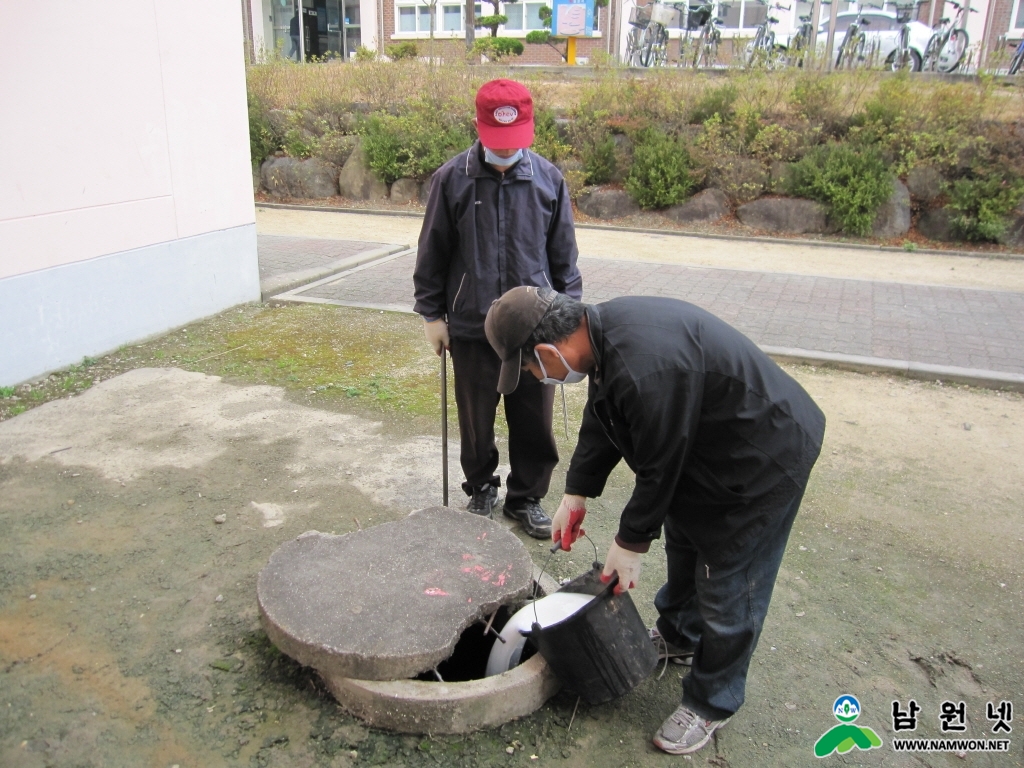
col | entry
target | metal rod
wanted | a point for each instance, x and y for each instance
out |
(444, 425)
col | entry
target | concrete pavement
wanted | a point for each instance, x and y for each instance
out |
(930, 316)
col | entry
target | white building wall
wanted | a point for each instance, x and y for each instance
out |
(126, 156)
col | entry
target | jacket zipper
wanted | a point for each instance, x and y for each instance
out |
(455, 303)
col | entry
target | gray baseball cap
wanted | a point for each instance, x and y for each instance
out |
(510, 321)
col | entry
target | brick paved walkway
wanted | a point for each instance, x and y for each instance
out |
(937, 325)
(289, 261)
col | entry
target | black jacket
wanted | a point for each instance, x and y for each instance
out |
(486, 232)
(706, 420)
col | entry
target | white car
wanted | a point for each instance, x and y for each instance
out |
(881, 26)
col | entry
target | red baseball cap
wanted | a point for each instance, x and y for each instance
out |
(504, 115)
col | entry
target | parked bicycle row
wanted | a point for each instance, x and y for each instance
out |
(867, 38)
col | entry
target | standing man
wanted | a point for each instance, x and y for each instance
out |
(498, 216)
(722, 442)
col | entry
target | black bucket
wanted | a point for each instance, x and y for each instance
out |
(602, 651)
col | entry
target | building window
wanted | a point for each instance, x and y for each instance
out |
(1018, 22)
(533, 20)
(514, 11)
(406, 19)
(452, 18)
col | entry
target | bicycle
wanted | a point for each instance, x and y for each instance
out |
(647, 40)
(762, 49)
(800, 43)
(1017, 60)
(905, 57)
(948, 43)
(710, 38)
(857, 51)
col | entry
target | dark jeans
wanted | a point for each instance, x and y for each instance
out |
(721, 608)
(531, 444)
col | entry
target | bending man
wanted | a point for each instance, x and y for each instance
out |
(722, 442)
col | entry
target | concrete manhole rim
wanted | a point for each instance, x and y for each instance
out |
(417, 706)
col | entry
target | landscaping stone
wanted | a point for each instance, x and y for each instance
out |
(357, 181)
(425, 190)
(893, 218)
(1014, 235)
(389, 602)
(784, 214)
(936, 225)
(336, 148)
(925, 183)
(281, 120)
(742, 178)
(707, 205)
(405, 191)
(292, 177)
(602, 203)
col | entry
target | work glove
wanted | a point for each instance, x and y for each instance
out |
(624, 563)
(436, 332)
(565, 525)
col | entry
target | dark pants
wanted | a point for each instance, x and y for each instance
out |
(531, 444)
(721, 608)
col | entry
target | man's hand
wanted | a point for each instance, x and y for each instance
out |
(436, 332)
(565, 525)
(624, 563)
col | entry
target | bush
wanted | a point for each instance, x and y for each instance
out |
(546, 140)
(983, 205)
(496, 48)
(365, 54)
(852, 182)
(715, 101)
(413, 145)
(660, 175)
(262, 142)
(399, 51)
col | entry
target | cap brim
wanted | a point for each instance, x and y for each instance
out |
(508, 379)
(507, 136)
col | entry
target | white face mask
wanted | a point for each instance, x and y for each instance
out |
(572, 377)
(494, 159)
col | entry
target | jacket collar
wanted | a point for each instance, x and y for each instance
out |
(476, 167)
(596, 332)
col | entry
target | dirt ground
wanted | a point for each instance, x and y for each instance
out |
(129, 632)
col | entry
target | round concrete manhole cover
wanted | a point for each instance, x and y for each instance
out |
(389, 602)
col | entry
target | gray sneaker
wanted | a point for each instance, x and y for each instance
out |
(666, 650)
(685, 731)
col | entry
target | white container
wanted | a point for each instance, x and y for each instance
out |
(663, 14)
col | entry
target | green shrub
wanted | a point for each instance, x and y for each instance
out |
(538, 37)
(599, 159)
(715, 101)
(660, 175)
(299, 143)
(262, 142)
(365, 54)
(403, 50)
(852, 182)
(546, 140)
(983, 205)
(496, 48)
(413, 145)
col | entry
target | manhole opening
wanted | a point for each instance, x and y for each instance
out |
(469, 659)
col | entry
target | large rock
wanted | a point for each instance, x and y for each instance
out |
(405, 191)
(425, 190)
(893, 218)
(784, 214)
(707, 205)
(357, 181)
(389, 602)
(291, 177)
(601, 203)
(925, 183)
(936, 224)
(1014, 234)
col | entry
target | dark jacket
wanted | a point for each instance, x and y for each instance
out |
(486, 232)
(706, 420)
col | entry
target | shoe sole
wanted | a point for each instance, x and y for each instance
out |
(673, 748)
(537, 533)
